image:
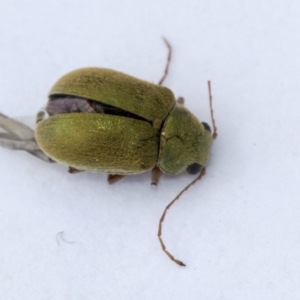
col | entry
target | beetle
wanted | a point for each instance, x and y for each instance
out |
(102, 120)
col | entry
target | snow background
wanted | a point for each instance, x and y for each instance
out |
(237, 229)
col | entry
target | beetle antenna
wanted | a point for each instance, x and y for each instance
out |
(162, 218)
(214, 135)
(168, 61)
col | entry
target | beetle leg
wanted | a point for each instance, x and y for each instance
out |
(113, 178)
(72, 170)
(19, 137)
(180, 100)
(156, 174)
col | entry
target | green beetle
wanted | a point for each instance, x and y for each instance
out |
(102, 120)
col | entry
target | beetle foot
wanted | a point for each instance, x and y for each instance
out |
(156, 174)
(113, 178)
(72, 170)
(180, 100)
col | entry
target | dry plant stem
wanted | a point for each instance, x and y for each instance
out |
(168, 61)
(214, 135)
(162, 218)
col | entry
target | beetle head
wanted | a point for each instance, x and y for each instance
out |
(185, 143)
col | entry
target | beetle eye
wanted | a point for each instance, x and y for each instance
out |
(194, 168)
(206, 126)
